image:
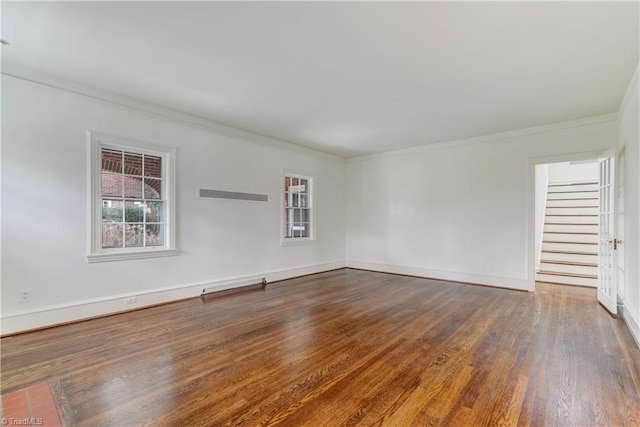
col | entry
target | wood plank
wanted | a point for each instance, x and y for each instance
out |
(582, 264)
(555, 273)
(568, 242)
(565, 268)
(564, 184)
(573, 198)
(567, 280)
(570, 191)
(581, 233)
(570, 253)
(342, 348)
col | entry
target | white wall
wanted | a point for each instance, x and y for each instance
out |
(223, 242)
(451, 211)
(542, 185)
(459, 212)
(629, 145)
(569, 171)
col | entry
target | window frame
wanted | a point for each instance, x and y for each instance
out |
(96, 253)
(311, 179)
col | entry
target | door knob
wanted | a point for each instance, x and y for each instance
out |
(615, 243)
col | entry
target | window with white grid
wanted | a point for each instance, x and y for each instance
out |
(298, 203)
(132, 206)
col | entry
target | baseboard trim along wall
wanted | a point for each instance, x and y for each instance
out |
(52, 315)
(476, 279)
(632, 324)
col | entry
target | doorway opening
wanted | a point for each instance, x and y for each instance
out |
(567, 211)
(573, 230)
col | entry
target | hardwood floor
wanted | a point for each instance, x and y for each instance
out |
(343, 348)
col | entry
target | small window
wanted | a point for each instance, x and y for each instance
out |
(131, 199)
(298, 204)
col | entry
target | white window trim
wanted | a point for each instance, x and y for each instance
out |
(96, 141)
(296, 241)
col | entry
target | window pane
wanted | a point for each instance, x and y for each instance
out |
(152, 166)
(112, 210)
(153, 212)
(301, 215)
(111, 161)
(133, 235)
(154, 234)
(111, 235)
(133, 164)
(133, 187)
(152, 188)
(297, 215)
(305, 229)
(133, 211)
(111, 184)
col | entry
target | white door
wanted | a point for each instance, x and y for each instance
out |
(607, 242)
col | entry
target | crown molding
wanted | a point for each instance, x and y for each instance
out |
(157, 111)
(494, 137)
(632, 83)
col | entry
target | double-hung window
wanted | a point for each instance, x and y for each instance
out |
(298, 208)
(132, 199)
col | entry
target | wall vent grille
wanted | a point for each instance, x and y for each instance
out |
(219, 194)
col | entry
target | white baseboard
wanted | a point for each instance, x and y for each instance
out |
(78, 310)
(478, 279)
(632, 324)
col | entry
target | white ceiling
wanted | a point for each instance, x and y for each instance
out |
(344, 78)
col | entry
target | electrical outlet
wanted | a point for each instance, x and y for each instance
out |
(130, 300)
(25, 295)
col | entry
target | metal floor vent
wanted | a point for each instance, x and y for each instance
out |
(218, 194)
(248, 287)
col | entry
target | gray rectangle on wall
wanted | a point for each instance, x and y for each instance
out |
(218, 194)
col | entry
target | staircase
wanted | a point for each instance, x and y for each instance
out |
(570, 240)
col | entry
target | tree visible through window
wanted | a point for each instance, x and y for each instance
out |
(132, 199)
(297, 206)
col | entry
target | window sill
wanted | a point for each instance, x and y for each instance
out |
(124, 256)
(297, 242)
